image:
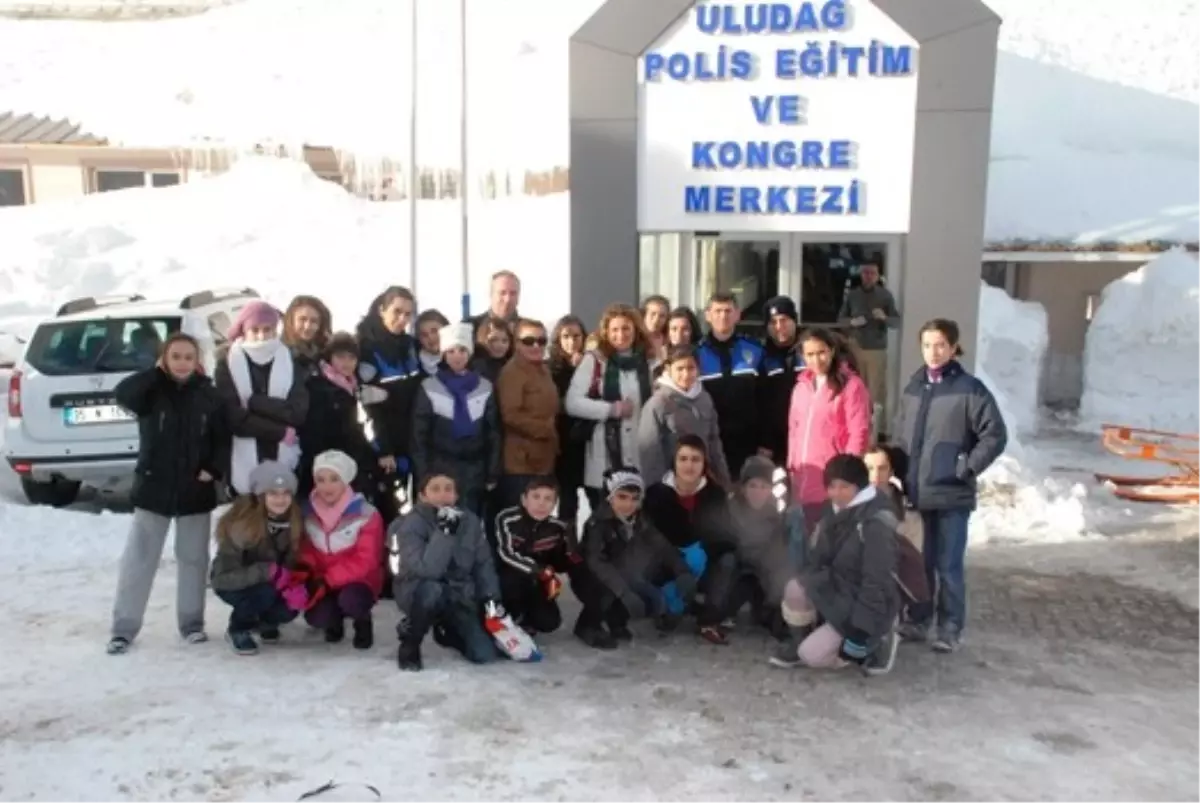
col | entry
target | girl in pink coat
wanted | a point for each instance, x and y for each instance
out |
(830, 415)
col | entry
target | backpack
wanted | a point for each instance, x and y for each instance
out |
(909, 573)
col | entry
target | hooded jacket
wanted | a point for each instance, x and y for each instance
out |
(822, 426)
(389, 362)
(672, 412)
(626, 555)
(849, 572)
(762, 546)
(347, 551)
(461, 558)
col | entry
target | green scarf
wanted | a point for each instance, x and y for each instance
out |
(619, 363)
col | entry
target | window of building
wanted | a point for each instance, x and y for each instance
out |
(428, 185)
(12, 187)
(108, 180)
(448, 187)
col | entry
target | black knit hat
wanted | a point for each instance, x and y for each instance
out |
(782, 305)
(847, 468)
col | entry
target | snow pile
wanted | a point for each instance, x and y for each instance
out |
(1141, 360)
(39, 539)
(273, 225)
(1013, 341)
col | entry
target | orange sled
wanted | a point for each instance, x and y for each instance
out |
(1176, 450)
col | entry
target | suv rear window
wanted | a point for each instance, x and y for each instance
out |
(101, 346)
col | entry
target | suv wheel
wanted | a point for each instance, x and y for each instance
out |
(56, 492)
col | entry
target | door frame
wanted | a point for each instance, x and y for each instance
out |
(789, 264)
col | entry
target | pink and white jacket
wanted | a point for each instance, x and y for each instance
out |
(343, 543)
(822, 426)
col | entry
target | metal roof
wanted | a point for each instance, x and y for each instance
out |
(29, 129)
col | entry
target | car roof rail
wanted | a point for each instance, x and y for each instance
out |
(206, 297)
(94, 302)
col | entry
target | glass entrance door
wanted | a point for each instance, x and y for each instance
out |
(754, 268)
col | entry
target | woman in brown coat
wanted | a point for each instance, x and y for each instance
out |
(528, 411)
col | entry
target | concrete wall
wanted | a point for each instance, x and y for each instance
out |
(956, 68)
(1064, 289)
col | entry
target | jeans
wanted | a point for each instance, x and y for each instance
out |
(353, 601)
(797, 535)
(945, 547)
(697, 561)
(257, 606)
(433, 603)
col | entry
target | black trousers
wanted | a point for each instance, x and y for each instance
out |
(525, 598)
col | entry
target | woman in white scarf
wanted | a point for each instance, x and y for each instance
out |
(264, 394)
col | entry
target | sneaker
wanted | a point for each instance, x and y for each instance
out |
(269, 635)
(668, 623)
(881, 661)
(195, 637)
(364, 634)
(596, 638)
(728, 623)
(409, 656)
(117, 645)
(714, 635)
(947, 641)
(621, 633)
(913, 632)
(242, 642)
(335, 634)
(786, 655)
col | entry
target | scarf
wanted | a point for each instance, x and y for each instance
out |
(619, 363)
(329, 514)
(346, 383)
(244, 453)
(429, 362)
(460, 386)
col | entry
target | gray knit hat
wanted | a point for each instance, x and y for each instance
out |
(757, 467)
(271, 475)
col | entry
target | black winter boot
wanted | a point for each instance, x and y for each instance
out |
(409, 656)
(364, 634)
(335, 633)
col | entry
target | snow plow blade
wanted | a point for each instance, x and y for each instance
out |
(1177, 450)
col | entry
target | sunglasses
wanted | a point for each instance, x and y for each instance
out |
(533, 341)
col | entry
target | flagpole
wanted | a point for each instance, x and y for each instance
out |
(414, 179)
(464, 184)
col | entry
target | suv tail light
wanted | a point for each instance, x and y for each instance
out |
(14, 395)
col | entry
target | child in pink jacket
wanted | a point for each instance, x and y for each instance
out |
(830, 415)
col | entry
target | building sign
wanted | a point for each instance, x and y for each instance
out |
(786, 117)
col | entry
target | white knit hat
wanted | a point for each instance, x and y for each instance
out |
(461, 335)
(339, 463)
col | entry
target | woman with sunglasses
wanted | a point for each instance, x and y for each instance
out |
(528, 412)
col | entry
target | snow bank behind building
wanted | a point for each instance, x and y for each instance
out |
(1141, 360)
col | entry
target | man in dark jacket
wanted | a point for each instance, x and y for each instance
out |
(781, 363)
(445, 576)
(845, 601)
(950, 429)
(729, 365)
(533, 548)
(503, 297)
(870, 311)
(631, 559)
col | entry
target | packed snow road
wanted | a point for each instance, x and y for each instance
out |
(1078, 682)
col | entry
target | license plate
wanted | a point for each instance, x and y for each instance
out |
(99, 414)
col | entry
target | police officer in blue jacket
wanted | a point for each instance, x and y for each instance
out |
(729, 367)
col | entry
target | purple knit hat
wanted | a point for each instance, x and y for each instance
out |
(255, 313)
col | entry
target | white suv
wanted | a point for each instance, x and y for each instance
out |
(64, 427)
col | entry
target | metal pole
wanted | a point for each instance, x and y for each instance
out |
(414, 179)
(464, 185)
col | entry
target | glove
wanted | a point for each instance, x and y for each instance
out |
(281, 577)
(686, 585)
(854, 647)
(295, 597)
(448, 519)
(289, 437)
(551, 585)
(493, 610)
(633, 604)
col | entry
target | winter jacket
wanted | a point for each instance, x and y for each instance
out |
(461, 559)
(239, 564)
(584, 402)
(671, 413)
(822, 426)
(861, 303)
(473, 461)
(351, 551)
(776, 380)
(709, 524)
(389, 362)
(261, 414)
(332, 423)
(849, 572)
(529, 411)
(625, 556)
(951, 431)
(182, 431)
(525, 544)
(762, 546)
(729, 372)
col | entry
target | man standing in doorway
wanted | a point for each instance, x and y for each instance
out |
(729, 366)
(504, 296)
(870, 310)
